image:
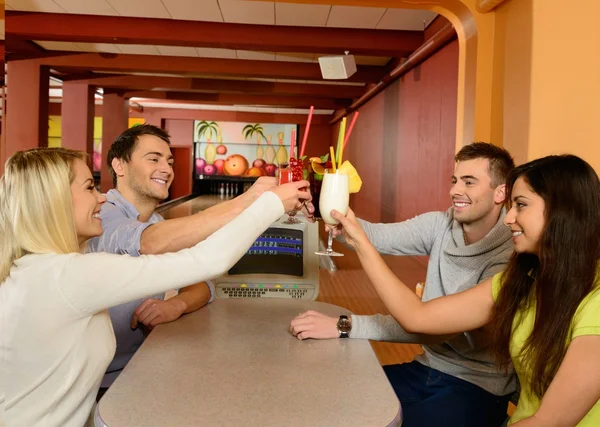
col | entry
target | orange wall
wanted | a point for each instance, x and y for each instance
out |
(565, 83)
(403, 143)
(550, 98)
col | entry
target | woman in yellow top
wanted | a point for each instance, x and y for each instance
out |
(543, 312)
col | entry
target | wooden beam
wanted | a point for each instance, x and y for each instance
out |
(21, 49)
(190, 66)
(17, 50)
(248, 87)
(236, 116)
(170, 32)
(234, 99)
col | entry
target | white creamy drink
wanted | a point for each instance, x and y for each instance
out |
(334, 195)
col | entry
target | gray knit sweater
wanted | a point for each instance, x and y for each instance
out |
(453, 267)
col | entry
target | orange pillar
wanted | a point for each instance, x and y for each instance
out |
(26, 108)
(78, 117)
(115, 113)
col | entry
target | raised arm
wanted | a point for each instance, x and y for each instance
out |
(412, 237)
(179, 233)
(93, 282)
(460, 312)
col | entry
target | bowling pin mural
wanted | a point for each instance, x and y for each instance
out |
(206, 129)
(282, 154)
(270, 153)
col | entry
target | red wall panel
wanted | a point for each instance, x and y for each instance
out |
(182, 183)
(403, 143)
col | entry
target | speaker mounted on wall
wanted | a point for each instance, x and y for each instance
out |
(337, 67)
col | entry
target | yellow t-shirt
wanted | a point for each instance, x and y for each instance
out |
(585, 322)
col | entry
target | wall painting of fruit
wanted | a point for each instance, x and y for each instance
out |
(240, 149)
(235, 165)
(220, 165)
(210, 170)
(259, 163)
(270, 169)
(254, 171)
(200, 163)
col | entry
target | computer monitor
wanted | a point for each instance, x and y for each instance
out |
(280, 264)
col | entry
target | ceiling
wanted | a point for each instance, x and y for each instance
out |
(239, 12)
(217, 54)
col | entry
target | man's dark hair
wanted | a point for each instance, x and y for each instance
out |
(126, 142)
(501, 162)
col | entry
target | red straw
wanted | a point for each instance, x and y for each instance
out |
(310, 113)
(293, 143)
(350, 129)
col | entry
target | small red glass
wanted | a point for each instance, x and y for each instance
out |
(291, 173)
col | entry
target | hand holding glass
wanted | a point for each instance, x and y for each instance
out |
(334, 195)
(285, 176)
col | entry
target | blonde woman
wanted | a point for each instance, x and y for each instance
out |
(56, 338)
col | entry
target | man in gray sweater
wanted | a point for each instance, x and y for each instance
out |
(454, 382)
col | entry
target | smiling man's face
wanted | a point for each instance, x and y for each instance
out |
(472, 193)
(149, 173)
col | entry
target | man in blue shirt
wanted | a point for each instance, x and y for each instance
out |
(141, 165)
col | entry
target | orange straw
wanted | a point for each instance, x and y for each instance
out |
(310, 114)
(332, 153)
(350, 129)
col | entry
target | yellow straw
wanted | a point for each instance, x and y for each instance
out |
(341, 134)
(331, 152)
(341, 145)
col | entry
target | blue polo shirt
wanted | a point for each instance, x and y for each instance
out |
(122, 235)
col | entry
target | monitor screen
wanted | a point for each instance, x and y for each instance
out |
(276, 251)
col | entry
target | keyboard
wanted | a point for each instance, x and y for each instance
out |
(297, 291)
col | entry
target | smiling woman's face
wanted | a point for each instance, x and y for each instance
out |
(87, 202)
(525, 217)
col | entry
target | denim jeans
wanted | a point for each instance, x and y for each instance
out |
(431, 398)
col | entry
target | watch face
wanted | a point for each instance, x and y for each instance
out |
(344, 325)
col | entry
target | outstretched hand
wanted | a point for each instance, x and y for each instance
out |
(313, 324)
(293, 194)
(350, 229)
(262, 184)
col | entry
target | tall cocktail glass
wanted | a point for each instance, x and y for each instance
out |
(334, 195)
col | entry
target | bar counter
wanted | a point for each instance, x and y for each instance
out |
(235, 363)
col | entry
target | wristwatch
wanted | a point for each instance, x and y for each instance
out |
(344, 326)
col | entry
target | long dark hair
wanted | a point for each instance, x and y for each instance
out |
(563, 272)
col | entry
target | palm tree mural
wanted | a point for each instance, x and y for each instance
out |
(249, 131)
(207, 129)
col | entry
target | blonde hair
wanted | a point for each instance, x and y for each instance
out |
(36, 207)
